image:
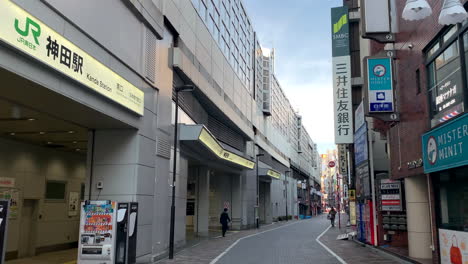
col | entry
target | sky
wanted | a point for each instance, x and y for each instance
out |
(299, 31)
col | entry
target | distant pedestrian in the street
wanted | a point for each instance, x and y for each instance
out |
(332, 215)
(224, 220)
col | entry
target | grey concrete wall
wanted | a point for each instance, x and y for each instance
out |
(31, 166)
(220, 192)
(203, 202)
(125, 162)
(419, 225)
(249, 200)
(198, 40)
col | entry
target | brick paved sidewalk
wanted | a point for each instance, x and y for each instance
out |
(354, 253)
(207, 250)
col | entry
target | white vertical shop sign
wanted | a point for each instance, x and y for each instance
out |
(342, 100)
(343, 160)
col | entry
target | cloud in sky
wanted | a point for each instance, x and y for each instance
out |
(299, 31)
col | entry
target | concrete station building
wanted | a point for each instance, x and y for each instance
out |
(87, 97)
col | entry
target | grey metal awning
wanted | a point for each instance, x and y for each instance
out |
(200, 141)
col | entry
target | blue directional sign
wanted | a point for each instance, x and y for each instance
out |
(380, 84)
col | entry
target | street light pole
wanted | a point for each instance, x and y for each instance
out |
(258, 193)
(286, 186)
(184, 88)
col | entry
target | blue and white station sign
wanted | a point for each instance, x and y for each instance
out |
(380, 84)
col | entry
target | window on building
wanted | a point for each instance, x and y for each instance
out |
(55, 190)
(444, 77)
(452, 198)
(196, 4)
(203, 10)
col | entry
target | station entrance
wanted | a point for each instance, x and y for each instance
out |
(44, 146)
(43, 174)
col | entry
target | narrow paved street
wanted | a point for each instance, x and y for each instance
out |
(283, 243)
(295, 243)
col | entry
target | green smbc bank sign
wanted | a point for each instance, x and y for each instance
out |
(446, 147)
(340, 31)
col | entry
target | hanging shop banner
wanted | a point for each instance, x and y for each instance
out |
(352, 195)
(352, 213)
(341, 61)
(360, 119)
(446, 146)
(363, 177)
(343, 159)
(25, 32)
(361, 150)
(380, 84)
(345, 192)
(4, 211)
(453, 246)
(390, 195)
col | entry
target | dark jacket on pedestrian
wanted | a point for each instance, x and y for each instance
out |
(224, 219)
(332, 213)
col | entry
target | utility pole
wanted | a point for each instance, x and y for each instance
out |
(183, 88)
(372, 175)
(286, 182)
(258, 194)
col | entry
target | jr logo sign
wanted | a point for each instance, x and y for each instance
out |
(31, 26)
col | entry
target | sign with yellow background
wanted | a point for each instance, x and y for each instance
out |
(28, 34)
(274, 174)
(211, 143)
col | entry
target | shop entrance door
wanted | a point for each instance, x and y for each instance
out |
(28, 229)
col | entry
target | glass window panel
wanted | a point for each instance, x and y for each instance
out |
(450, 33)
(210, 6)
(452, 199)
(450, 53)
(465, 38)
(55, 190)
(209, 24)
(196, 4)
(203, 10)
(445, 85)
(434, 49)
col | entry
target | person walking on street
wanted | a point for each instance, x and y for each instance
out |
(224, 220)
(331, 216)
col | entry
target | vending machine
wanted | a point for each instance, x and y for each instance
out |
(97, 232)
(108, 232)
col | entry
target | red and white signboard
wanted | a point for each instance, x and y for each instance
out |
(7, 182)
(391, 202)
(390, 195)
(331, 164)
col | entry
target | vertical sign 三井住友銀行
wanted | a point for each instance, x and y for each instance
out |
(380, 85)
(343, 115)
